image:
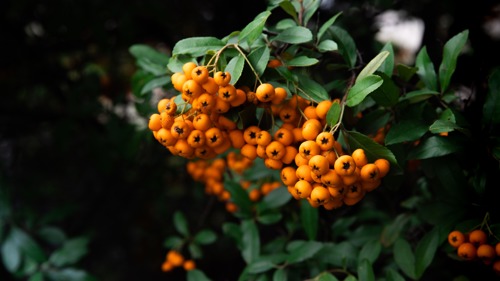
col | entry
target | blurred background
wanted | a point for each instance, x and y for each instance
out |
(75, 152)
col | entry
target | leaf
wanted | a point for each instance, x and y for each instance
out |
(491, 107)
(205, 236)
(250, 241)
(365, 271)
(393, 275)
(309, 218)
(197, 46)
(370, 251)
(387, 66)
(372, 149)
(312, 90)
(418, 95)
(274, 199)
(294, 35)
(327, 46)
(151, 67)
(324, 27)
(235, 67)
(234, 231)
(269, 217)
(347, 47)
(180, 223)
(373, 65)
(406, 72)
(11, 254)
(333, 114)
(440, 126)
(142, 51)
(253, 30)
(310, 8)
(391, 231)
(259, 58)
(260, 266)
(195, 251)
(172, 242)
(239, 197)
(155, 83)
(280, 275)
(326, 276)
(404, 258)
(451, 51)
(425, 251)
(434, 146)
(388, 93)
(27, 245)
(51, 234)
(362, 88)
(70, 253)
(69, 274)
(426, 70)
(406, 131)
(302, 61)
(304, 251)
(38, 276)
(197, 275)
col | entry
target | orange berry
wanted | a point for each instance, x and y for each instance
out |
(200, 74)
(322, 108)
(344, 165)
(154, 123)
(325, 140)
(280, 95)
(359, 157)
(188, 67)
(369, 173)
(486, 253)
(467, 251)
(275, 150)
(303, 188)
(222, 78)
(478, 237)
(175, 258)
(308, 149)
(254, 195)
(265, 92)
(320, 195)
(189, 265)
(383, 166)
(288, 176)
(311, 129)
(319, 164)
(456, 238)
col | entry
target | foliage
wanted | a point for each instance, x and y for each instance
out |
(399, 231)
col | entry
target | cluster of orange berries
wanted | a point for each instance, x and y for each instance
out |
(175, 259)
(300, 143)
(211, 173)
(474, 245)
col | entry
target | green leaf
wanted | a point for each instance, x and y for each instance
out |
(239, 197)
(418, 95)
(434, 146)
(393, 275)
(362, 88)
(197, 46)
(406, 72)
(309, 218)
(304, 251)
(250, 241)
(27, 245)
(260, 266)
(406, 131)
(51, 234)
(347, 47)
(288, 7)
(142, 51)
(327, 46)
(234, 231)
(425, 251)
(173, 242)
(372, 149)
(70, 253)
(280, 275)
(11, 254)
(253, 30)
(312, 90)
(269, 217)
(155, 83)
(195, 251)
(69, 274)
(274, 199)
(388, 93)
(333, 114)
(324, 27)
(326, 276)
(404, 258)
(259, 58)
(302, 61)
(180, 223)
(491, 107)
(310, 7)
(440, 126)
(392, 231)
(205, 236)
(387, 66)
(197, 275)
(343, 254)
(294, 35)
(426, 70)
(365, 271)
(38, 276)
(235, 67)
(152, 67)
(451, 51)
(372, 66)
(370, 251)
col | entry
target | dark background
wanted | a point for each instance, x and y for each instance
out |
(68, 160)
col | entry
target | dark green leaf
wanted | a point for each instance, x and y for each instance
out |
(391, 231)
(393, 275)
(259, 59)
(234, 231)
(434, 146)
(425, 251)
(70, 253)
(309, 218)
(235, 67)
(406, 72)
(302, 61)
(269, 217)
(197, 275)
(151, 67)
(274, 199)
(406, 131)
(343, 254)
(372, 149)
(326, 276)
(404, 258)
(205, 236)
(142, 51)
(280, 275)
(180, 223)
(304, 251)
(11, 254)
(418, 95)
(38, 276)
(333, 114)
(294, 35)
(51, 234)
(69, 274)
(324, 27)
(173, 242)
(426, 70)
(347, 47)
(260, 266)
(239, 197)
(370, 251)
(372, 66)
(28, 245)
(451, 51)
(250, 241)
(387, 66)
(365, 271)
(197, 46)
(362, 88)
(155, 83)
(195, 251)
(312, 90)
(440, 126)
(491, 107)
(253, 30)
(387, 94)
(288, 7)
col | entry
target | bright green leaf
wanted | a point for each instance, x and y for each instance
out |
(155, 83)
(362, 88)
(253, 30)
(294, 35)
(372, 149)
(11, 254)
(302, 61)
(333, 114)
(373, 65)
(142, 51)
(451, 51)
(235, 67)
(327, 46)
(426, 70)
(324, 27)
(260, 266)
(312, 90)
(259, 58)
(440, 126)
(197, 46)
